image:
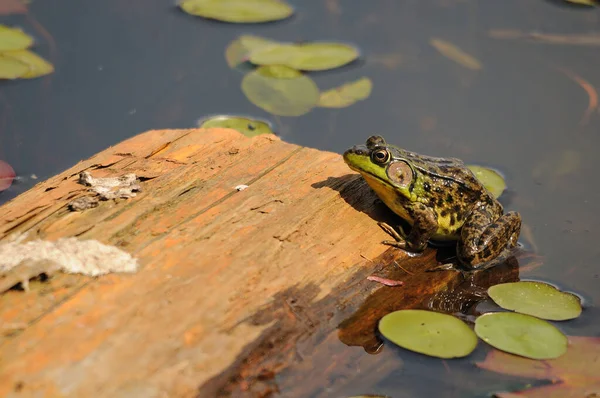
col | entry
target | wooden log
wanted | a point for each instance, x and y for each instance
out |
(235, 286)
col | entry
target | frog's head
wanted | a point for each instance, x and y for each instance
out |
(383, 167)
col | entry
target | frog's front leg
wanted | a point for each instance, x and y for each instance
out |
(424, 225)
(484, 237)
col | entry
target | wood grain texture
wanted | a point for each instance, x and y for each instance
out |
(223, 272)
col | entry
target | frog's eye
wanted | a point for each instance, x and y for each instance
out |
(380, 156)
(400, 174)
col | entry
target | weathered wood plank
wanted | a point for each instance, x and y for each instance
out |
(221, 268)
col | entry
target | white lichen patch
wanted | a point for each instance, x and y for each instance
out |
(123, 187)
(21, 261)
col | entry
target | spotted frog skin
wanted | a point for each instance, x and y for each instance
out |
(440, 198)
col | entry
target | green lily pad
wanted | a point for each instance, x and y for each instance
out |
(38, 66)
(307, 56)
(13, 39)
(536, 298)
(521, 334)
(491, 179)
(238, 11)
(11, 68)
(280, 90)
(347, 94)
(238, 51)
(430, 333)
(246, 126)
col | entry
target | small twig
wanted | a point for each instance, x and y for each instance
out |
(367, 258)
(402, 268)
(589, 89)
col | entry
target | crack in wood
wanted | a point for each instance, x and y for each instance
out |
(219, 201)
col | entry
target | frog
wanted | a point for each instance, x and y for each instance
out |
(442, 201)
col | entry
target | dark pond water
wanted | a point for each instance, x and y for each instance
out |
(124, 67)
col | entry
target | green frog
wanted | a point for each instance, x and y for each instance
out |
(441, 199)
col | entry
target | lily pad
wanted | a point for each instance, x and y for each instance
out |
(347, 94)
(238, 11)
(430, 333)
(13, 39)
(521, 334)
(238, 51)
(38, 66)
(11, 68)
(280, 90)
(492, 180)
(307, 56)
(536, 298)
(246, 126)
(7, 175)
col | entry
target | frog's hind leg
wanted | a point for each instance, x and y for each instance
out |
(485, 241)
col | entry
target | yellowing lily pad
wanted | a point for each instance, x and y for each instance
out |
(246, 126)
(347, 94)
(490, 178)
(536, 298)
(454, 53)
(238, 11)
(521, 334)
(430, 333)
(11, 68)
(307, 56)
(590, 3)
(13, 39)
(280, 90)
(38, 66)
(239, 50)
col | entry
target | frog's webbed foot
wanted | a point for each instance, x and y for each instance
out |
(400, 240)
(399, 236)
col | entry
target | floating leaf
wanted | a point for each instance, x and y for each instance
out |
(7, 175)
(457, 55)
(11, 68)
(307, 56)
(38, 66)
(346, 94)
(430, 333)
(590, 3)
(490, 178)
(575, 374)
(536, 298)
(280, 90)
(13, 39)
(239, 50)
(238, 11)
(246, 126)
(521, 334)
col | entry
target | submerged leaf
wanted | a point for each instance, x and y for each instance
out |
(346, 94)
(537, 299)
(280, 90)
(240, 49)
(430, 333)
(246, 126)
(454, 53)
(11, 68)
(307, 56)
(238, 11)
(14, 39)
(490, 178)
(575, 374)
(38, 66)
(521, 334)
